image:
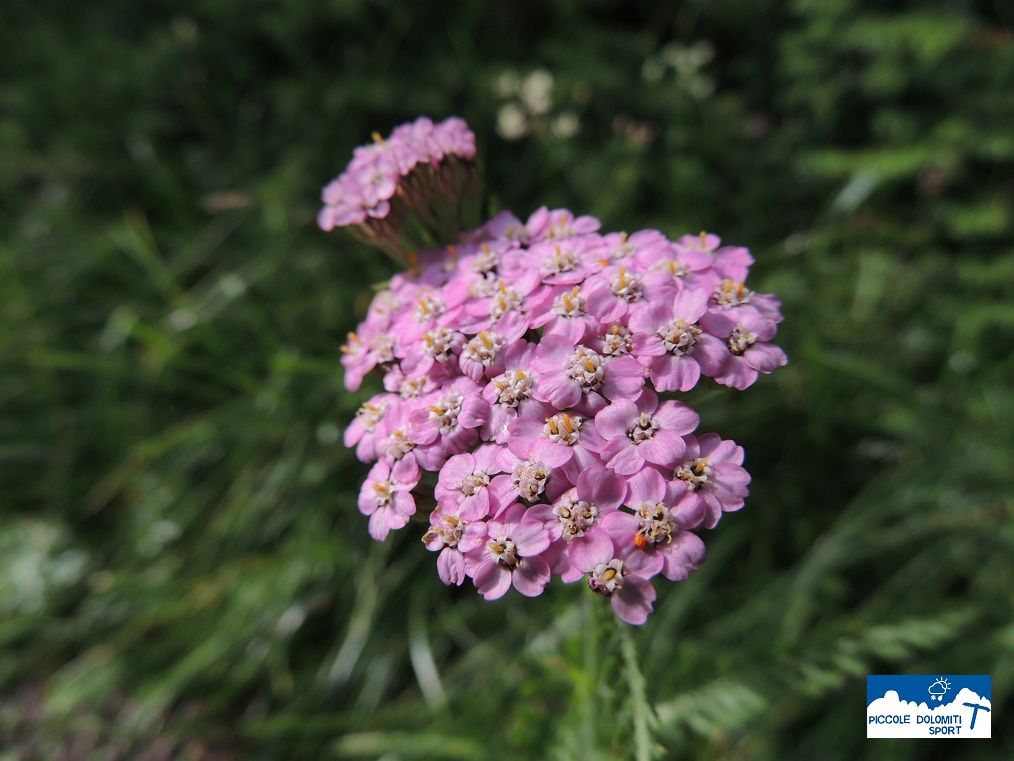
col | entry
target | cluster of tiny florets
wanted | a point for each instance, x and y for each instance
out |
(536, 368)
(408, 191)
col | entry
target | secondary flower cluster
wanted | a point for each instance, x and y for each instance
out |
(533, 368)
(410, 191)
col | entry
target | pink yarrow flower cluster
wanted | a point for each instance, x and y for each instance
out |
(536, 368)
(408, 191)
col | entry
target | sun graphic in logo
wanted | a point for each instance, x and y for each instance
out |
(939, 688)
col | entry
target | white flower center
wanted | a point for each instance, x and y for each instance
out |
(587, 368)
(627, 286)
(507, 300)
(513, 387)
(439, 343)
(606, 578)
(576, 515)
(644, 429)
(679, 336)
(428, 307)
(398, 444)
(569, 304)
(529, 478)
(656, 524)
(448, 531)
(696, 473)
(617, 341)
(563, 429)
(371, 414)
(561, 260)
(445, 412)
(731, 293)
(504, 551)
(483, 348)
(741, 339)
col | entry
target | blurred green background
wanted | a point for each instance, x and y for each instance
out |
(183, 571)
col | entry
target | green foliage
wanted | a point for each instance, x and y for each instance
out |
(183, 571)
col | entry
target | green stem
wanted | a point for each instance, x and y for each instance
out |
(641, 709)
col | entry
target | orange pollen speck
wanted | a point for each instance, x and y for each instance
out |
(603, 262)
(354, 337)
(640, 541)
(377, 138)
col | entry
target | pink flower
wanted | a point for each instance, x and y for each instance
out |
(621, 576)
(510, 556)
(655, 532)
(580, 377)
(463, 485)
(636, 433)
(386, 496)
(452, 536)
(712, 476)
(670, 343)
(745, 334)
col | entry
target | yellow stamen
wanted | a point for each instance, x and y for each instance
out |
(521, 374)
(503, 288)
(623, 237)
(453, 252)
(699, 467)
(354, 337)
(568, 302)
(567, 423)
(435, 410)
(484, 337)
(590, 365)
(623, 277)
(704, 240)
(377, 138)
(553, 427)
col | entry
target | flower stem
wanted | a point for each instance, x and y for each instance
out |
(643, 715)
